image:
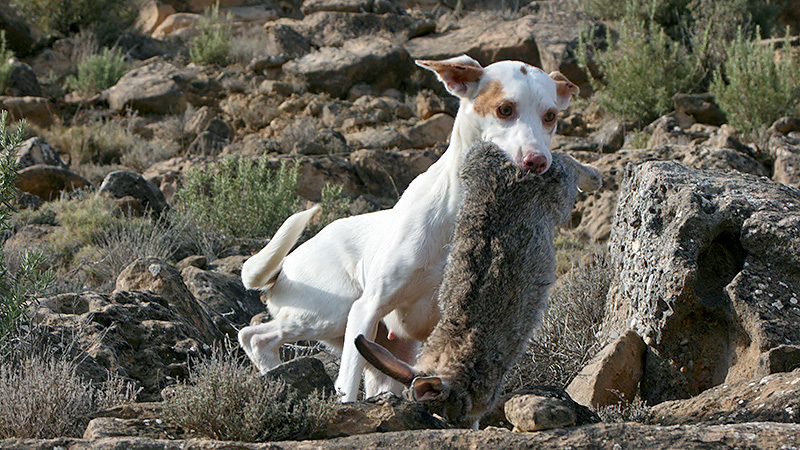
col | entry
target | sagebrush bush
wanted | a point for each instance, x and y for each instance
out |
(105, 17)
(42, 397)
(642, 71)
(753, 87)
(635, 411)
(567, 340)
(5, 65)
(213, 42)
(98, 72)
(238, 198)
(224, 399)
(18, 286)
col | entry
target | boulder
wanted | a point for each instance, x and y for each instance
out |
(613, 375)
(22, 80)
(429, 132)
(317, 171)
(37, 151)
(224, 298)
(487, 42)
(151, 89)
(708, 275)
(773, 398)
(535, 413)
(48, 182)
(701, 107)
(334, 29)
(305, 375)
(388, 173)
(380, 414)
(347, 6)
(151, 14)
(36, 110)
(335, 70)
(165, 280)
(593, 214)
(384, 138)
(122, 183)
(139, 335)
(175, 24)
(784, 150)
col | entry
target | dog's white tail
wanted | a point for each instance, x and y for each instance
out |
(261, 270)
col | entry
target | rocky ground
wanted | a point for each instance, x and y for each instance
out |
(703, 227)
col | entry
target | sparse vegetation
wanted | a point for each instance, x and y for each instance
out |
(213, 42)
(98, 72)
(43, 397)
(753, 87)
(635, 411)
(224, 399)
(5, 65)
(567, 340)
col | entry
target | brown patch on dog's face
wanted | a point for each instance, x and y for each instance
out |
(492, 100)
(523, 70)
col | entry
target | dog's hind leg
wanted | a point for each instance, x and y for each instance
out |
(261, 344)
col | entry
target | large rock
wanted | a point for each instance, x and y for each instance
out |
(151, 14)
(487, 42)
(593, 214)
(335, 70)
(224, 298)
(613, 375)
(122, 183)
(388, 173)
(151, 89)
(751, 436)
(165, 280)
(37, 151)
(784, 151)
(709, 275)
(22, 80)
(333, 29)
(36, 110)
(48, 182)
(773, 398)
(139, 335)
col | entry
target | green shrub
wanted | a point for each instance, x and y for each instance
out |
(224, 399)
(238, 198)
(43, 398)
(212, 44)
(642, 71)
(5, 66)
(98, 72)
(753, 88)
(106, 17)
(15, 288)
(567, 340)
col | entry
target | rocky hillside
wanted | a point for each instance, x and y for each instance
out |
(700, 220)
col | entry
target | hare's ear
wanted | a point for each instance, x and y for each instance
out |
(383, 360)
(460, 75)
(425, 389)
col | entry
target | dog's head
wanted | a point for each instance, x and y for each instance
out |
(509, 103)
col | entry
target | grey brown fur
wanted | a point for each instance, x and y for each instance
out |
(496, 283)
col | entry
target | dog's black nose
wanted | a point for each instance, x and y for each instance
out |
(534, 163)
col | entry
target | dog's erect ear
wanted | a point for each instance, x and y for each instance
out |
(383, 360)
(425, 389)
(565, 89)
(460, 75)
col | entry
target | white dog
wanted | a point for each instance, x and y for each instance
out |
(383, 269)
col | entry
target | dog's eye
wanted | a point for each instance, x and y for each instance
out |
(549, 117)
(505, 111)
